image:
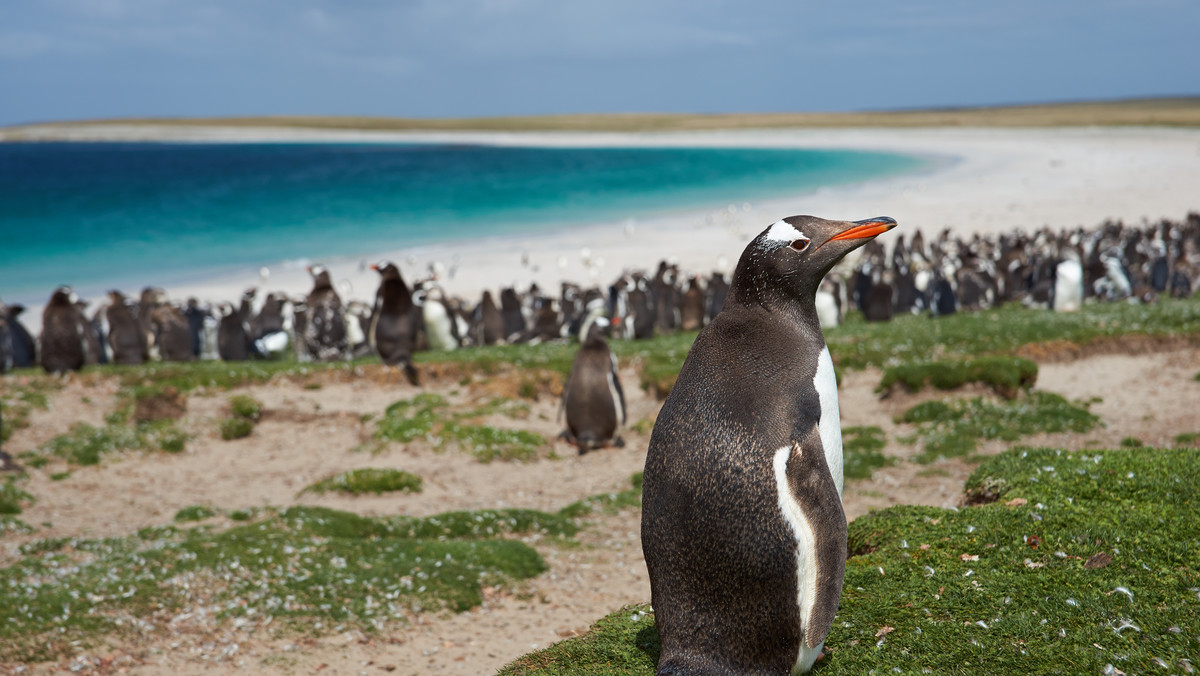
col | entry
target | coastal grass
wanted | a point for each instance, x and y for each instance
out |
(952, 428)
(19, 400)
(367, 480)
(12, 497)
(87, 444)
(300, 570)
(1079, 563)
(1005, 375)
(1170, 111)
(427, 416)
(862, 451)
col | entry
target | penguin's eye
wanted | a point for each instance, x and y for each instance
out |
(799, 244)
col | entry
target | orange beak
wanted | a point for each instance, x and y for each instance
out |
(375, 267)
(868, 228)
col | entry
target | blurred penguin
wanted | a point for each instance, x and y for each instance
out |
(1068, 283)
(592, 397)
(233, 343)
(64, 339)
(325, 335)
(391, 331)
(126, 336)
(22, 346)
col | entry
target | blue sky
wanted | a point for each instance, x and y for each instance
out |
(77, 59)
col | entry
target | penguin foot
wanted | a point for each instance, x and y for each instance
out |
(413, 376)
(617, 442)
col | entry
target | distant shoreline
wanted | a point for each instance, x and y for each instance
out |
(1181, 111)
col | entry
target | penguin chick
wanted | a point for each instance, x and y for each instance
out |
(742, 522)
(592, 398)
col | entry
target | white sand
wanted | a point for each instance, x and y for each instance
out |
(987, 180)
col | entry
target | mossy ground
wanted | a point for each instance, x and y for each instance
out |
(862, 451)
(367, 480)
(87, 444)
(1008, 376)
(1081, 561)
(427, 416)
(953, 427)
(308, 569)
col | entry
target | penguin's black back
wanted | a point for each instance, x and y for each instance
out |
(393, 323)
(126, 336)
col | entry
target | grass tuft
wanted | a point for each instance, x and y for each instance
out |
(236, 428)
(245, 406)
(954, 427)
(426, 416)
(1007, 376)
(862, 452)
(367, 480)
(194, 513)
(12, 497)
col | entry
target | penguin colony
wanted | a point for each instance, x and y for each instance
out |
(742, 521)
(938, 276)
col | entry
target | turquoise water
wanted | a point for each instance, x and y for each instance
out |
(90, 214)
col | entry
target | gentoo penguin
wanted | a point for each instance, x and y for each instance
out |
(691, 314)
(126, 335)
(195, 319)
(592, 398)
(877, 306)
(828, 304)
(64, 334)
(22, 346)
(325, 327)
(718, 288)
(489, 322)
(6, 362)
(441, 328)
(169, 326)
(1068, 283)
(510, 310)
(391, 331)
(742, 521)
(233, 343)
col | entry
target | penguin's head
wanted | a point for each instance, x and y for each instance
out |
(789, 259)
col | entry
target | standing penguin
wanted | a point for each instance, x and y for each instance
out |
(593, 398)
(126, 335)
(489, 321)
(233, 343)
(22, 345)
(391, 331)
(742, 521)
(325, 327)
(64, 334)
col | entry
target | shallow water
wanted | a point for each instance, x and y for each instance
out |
(143, 213)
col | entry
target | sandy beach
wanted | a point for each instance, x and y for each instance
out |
(979, 180)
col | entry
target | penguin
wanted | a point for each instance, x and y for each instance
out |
(641, 306)
(692, 313)
(592, 398)
(489, 321)
(391, 332)
(828, 303)
(6, 359)
(325, 334)
(93, 336)
(64, 334)
(233, 344)
(126, 335)
(171, 333)
(1068, 283)
(718, 288)
(742, 522)
(441, 328)
(510, 310)
(877, 305)
(195, 319)
(22, 346)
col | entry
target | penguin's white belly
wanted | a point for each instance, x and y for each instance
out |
(829, 427)
(830, 422)
(1068, 287)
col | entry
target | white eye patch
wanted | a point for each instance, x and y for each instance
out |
(785, 233)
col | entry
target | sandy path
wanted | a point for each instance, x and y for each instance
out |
(308, 434)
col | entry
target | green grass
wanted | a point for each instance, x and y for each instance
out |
(965, 591)
(12, 497)
(862, 452)
(194, 513)
(367, 480)
(17, 401)
(236, 428)
(245, 406)
(953, 428)
(86, 444)
(1187, 439)
(427, 416)
(1006, 375)
(305, 569)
